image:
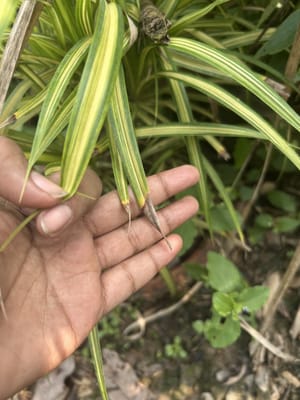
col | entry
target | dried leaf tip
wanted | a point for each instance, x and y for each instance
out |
(151, 215)
(2, 307)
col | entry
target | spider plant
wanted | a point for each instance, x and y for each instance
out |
(95, 82)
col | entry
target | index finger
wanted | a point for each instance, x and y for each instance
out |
(162, 186)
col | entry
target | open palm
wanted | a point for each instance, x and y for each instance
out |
(56, 283)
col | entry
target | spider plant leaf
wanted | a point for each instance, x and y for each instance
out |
(214, 176)
(96, 353)
(54, 95)
(123, 134)
(121, 127)
(187, 20)
(239, 73)
(192, 144)
(119, 173)
(196, 129)
(84, 16)
(241, 109)
(93, 97)
(8, 8)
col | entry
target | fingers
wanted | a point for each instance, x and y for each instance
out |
(52, 221)
(126, 278)
(122, 243)
(108, 213)
(39, 192)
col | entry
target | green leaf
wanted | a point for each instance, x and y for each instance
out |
(222, 334)
(253, 297)
(286, 224)
(244, 111)
(223, 303)
(283, 201)
(196, 271)
(93, 97)
(198, 326)
(283, 37)
(95, 349)
(188, 232)
(222, 273)
(220, 219)
(264, 221)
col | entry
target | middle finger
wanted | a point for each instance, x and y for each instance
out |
(118, 245)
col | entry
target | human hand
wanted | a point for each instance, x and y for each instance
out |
(74, 263)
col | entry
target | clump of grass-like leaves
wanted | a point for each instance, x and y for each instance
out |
(92, 79)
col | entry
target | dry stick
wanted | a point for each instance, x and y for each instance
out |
(14, 47)
(254, 197)
(285, 283)
(266, 343)
(294, 57)
(141, 322)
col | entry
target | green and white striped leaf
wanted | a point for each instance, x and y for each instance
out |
(123, 134)
(94, 93)
(239, 73)
(241, 109)
(55, 92)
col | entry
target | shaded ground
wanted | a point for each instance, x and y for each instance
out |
(204, 373)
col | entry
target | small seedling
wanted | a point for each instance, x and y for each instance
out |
(231, 298)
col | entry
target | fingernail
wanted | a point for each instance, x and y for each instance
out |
(54, 220)
(46, 185)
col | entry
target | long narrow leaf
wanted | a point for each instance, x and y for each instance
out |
(121, 125)
(197, 129)
(56, 90)
(241, 109)
(238, 72)
(93, 98)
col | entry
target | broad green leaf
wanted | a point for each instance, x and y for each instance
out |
(222, 273)
(196, 271)
(198, 326)
(239, 73)
(283, 201)
(188, 233)
(283, 37)
(264, 220)
(286, 224)
(253, 297)
(220, 219)
(241, 109)
(223, 303)
(93, 97)
(222, 333)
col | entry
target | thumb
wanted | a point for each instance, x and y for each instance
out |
(39, 191)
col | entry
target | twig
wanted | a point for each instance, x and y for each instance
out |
(285, 283)
(141, 322)
(266, 343)
(254, 197)
(14, 45)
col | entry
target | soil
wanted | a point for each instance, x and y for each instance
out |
(204, 373)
